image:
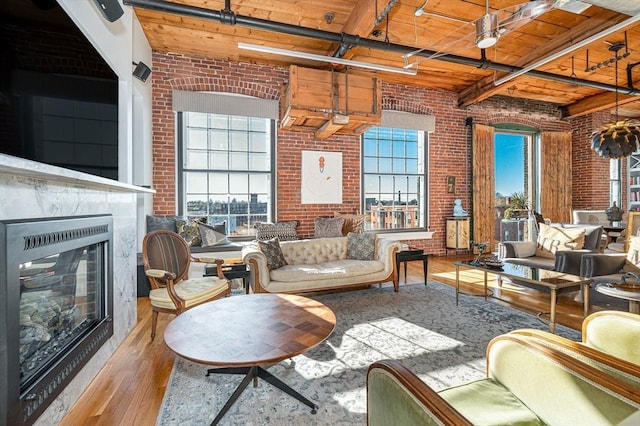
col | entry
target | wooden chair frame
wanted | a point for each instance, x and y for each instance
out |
(160, 278)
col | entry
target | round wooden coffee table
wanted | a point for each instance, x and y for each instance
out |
(239, 334)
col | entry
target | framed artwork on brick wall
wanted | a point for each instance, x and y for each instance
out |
(321, 177)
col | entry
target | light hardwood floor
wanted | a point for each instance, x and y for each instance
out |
(130, 388)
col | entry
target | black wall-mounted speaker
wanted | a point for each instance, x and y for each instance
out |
(111, 9)
(141, 71)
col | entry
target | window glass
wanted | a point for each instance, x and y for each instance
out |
(226, 170)
(393, 178)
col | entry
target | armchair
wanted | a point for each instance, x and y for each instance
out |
(614, 332)
(167, 258)
(525, 377)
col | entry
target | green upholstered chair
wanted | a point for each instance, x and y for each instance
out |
(167, 258)
(614, 332)
(530, 381)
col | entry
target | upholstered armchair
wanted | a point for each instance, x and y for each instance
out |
(614, 332)
(533, 377)
(167, 259)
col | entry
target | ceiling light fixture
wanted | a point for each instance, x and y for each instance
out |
(420, 10)
(620, 138)
(321, 58)
(487, 29)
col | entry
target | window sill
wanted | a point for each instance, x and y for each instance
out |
(402, 236)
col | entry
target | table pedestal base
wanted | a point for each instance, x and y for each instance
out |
(252, 373)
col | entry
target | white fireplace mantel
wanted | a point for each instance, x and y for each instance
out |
(15, 166)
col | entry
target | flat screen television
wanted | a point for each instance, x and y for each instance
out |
(58, 97)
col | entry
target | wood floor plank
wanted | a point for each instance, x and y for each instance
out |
(130, 388)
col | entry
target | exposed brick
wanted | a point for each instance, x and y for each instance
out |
(449, 145)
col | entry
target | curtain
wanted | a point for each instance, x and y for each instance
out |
(555, 176)
(483, 185)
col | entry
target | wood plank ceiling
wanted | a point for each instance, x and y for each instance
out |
(447, 27)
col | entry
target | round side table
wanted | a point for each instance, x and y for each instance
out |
(630, 292)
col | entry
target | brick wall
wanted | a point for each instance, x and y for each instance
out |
(449, 145)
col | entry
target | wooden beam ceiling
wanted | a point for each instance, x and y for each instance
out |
(549, 33)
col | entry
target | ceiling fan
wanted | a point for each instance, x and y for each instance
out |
(490, 26)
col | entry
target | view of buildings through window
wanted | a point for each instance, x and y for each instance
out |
(226, 169)
(393, 176)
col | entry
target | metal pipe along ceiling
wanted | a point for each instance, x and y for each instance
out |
(226, 16)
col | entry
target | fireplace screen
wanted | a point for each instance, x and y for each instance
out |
(60, 299)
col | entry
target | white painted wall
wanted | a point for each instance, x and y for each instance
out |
(121, 43)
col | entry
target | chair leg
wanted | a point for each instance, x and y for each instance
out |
(154, 323)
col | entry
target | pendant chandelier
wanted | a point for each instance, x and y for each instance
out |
(622, 137)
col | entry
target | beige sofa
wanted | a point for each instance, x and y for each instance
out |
(320, 264)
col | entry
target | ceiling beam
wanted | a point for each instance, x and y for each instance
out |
(485, 88)
(596, 103)
(361, 22)
(230, 18)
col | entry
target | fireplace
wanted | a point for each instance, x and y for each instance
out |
(56, 289)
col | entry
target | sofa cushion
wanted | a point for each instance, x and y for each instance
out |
(361, 246)
(593, 234)
(486, 401)
(285, 231)
(352, 223)
(328, 227)
(632, 263)
(337, 269)
(273, 253)
(552, 239)
(213, 235)
(188, 229)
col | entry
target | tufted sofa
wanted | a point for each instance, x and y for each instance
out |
(320, 264)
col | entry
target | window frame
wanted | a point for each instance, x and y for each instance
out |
(182, 170)
(423, 214)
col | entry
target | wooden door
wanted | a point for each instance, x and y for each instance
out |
(483, 185)
(555, 176)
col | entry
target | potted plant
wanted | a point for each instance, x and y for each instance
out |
(517, 206)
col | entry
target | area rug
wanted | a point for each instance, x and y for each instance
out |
(420, 326)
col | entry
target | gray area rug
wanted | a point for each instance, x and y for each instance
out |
(421, 326)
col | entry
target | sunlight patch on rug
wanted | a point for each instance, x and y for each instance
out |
(442, 343)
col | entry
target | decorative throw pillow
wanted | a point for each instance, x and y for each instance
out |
(285, 231)
(188, 229)
(328, 227)
(552, 239)
(213, 235)
(273, 252)
(156, 223)
(632, 263)
(352, 223)
(361, 246)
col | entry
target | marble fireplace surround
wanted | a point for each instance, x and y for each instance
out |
(34, 190)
